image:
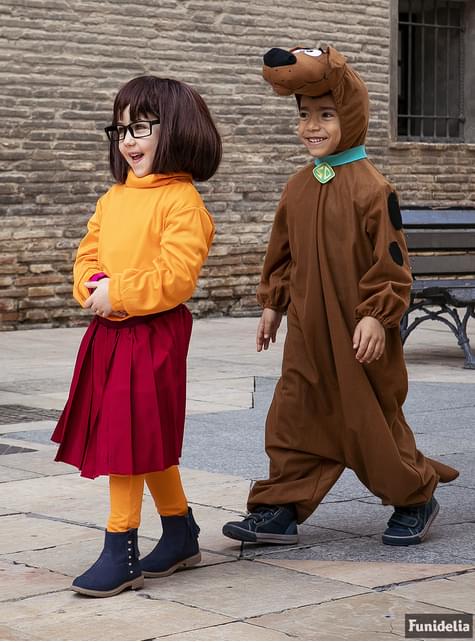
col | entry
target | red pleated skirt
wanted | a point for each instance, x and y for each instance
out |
(125, 414)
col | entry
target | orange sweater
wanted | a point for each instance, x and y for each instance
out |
(151, 236)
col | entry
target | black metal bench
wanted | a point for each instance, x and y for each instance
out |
(442, 253)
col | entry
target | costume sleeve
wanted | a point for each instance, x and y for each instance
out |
(274, 288)
(172, 275)
(87, 263)
(385, 288)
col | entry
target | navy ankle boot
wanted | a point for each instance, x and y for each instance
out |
(117, 568)
(178, 547)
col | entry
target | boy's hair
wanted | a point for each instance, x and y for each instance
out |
(298, 97)
(188, 141)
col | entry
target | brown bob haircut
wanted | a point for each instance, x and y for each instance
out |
(189, 141)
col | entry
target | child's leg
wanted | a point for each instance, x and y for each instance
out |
(118, 566)
(126, 493)
(167, 492)
(178, 547)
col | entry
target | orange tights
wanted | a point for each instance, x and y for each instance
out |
(126, 493)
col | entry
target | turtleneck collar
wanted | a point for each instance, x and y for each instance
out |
(156, 180)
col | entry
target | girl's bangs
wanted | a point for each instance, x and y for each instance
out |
(137, 94)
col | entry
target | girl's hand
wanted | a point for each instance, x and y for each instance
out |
(267, 328)
(99, 300)
(369, 340)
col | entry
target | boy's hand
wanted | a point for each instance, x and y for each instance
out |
(267, 328)
(369, 340)
(99, 300)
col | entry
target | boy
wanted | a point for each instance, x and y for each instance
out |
(337, 264)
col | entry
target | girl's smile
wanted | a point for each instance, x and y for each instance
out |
(139, 152)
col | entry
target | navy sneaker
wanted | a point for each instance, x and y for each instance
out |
(266, 525)
(410, 524)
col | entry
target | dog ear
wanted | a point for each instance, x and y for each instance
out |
(336, 60)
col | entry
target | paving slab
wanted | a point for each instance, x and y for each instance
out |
(128, 616)
(245, 589)
(8, 474)
(8, 511)
(73, 559)
(457, 504)
(445, 545)
(371, 616)
(232, 631)
(448, 442)
(432, 397)
(69, 559)
(208, 488)
(456, 593)
(45, 426)
(27, 532)
(206, 406)
(234, 393)
(370, 574)
(65, 497)
(357, 517)
(7, 633)
(47, 401)
(465, 464)
(21, 581)
(40, 461)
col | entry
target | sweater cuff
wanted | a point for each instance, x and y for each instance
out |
(115, 297)
(96, 277)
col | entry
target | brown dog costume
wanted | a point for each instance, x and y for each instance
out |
(337, 253)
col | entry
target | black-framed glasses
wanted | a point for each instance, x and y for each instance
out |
(139, 129)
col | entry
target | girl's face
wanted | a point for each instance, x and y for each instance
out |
(139, 152)
(319, 125)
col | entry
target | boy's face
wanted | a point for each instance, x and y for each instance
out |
(319, 125)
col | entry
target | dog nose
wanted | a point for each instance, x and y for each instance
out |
(279, 58)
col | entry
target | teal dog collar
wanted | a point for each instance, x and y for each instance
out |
(323, 170)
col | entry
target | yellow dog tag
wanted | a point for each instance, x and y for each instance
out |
(323, 172)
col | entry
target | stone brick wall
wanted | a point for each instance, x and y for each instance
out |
(63, 61)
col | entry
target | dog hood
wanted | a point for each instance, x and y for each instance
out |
(315, 72)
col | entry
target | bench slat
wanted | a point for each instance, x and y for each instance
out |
(438, 218)
(458, 293)
(443, 264)
(460, 239)
(424, 284)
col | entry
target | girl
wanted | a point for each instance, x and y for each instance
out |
(135, 268)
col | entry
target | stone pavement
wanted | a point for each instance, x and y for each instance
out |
(338, 583)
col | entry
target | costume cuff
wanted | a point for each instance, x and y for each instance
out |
(386, 320)
(277, 299)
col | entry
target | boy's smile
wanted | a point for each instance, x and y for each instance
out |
(319, 125)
